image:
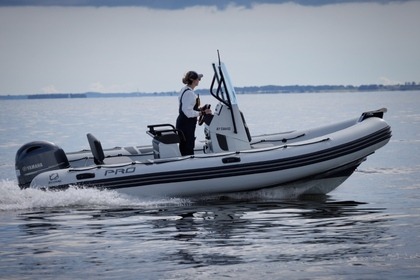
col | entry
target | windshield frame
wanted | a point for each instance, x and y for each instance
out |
(221, 87)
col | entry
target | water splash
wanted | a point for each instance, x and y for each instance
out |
(390, 171)
(13, 198)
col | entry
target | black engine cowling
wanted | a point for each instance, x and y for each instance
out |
(36, 157)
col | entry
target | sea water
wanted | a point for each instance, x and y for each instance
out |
(368, 228)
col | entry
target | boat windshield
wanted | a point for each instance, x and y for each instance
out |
(229, 85)
(222, 87)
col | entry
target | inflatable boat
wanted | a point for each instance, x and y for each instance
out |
(230, 160)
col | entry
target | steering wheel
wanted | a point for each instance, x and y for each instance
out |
(203, 114)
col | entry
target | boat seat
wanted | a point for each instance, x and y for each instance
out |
(165, 140)
(166, 136)
(96, 149)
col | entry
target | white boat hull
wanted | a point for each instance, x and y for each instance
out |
(326, 157)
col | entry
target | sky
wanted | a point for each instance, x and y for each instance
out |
(77, 46)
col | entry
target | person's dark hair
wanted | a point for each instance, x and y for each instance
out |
(190, 76)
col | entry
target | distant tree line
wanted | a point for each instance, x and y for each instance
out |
(239, 90)
(325, 88)
(57, 95)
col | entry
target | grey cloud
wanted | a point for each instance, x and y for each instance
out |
(176, 4)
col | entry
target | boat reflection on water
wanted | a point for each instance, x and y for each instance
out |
(315, 228)
(208, 232)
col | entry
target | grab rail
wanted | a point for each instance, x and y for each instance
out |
(222, 96)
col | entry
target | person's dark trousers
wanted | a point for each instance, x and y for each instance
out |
(187, 126)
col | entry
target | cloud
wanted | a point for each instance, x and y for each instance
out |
(175, 4)
(49, 89)
(97, 87)
(387, 82)
(100, 87)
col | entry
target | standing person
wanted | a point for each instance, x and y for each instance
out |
(189, 110)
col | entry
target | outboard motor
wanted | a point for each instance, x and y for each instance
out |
(37, 157)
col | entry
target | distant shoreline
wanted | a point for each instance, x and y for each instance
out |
(239, 90)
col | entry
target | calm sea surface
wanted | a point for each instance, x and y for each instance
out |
(368, 228)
